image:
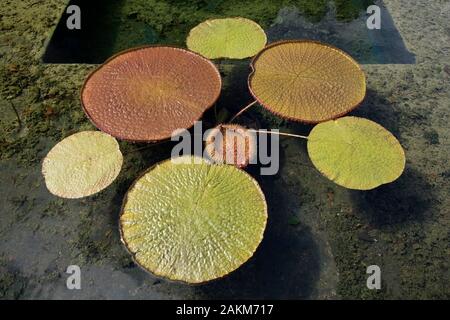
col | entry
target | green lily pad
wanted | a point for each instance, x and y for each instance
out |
(82, 164)
(193, 222)
(356, 153)
(306, 81)
(234, 38)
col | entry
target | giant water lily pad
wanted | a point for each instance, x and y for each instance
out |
(82, 164)
(234, 38)
(356, 153)
(144, 94)
(306, 81)
(193, 222)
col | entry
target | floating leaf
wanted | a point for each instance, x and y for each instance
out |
(231, 144)
(193, 222)
(144, 94)
(306, 81)
(235, 38)
(356, 153)
(82, 164)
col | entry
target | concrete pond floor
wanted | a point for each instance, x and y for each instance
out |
(320, 237)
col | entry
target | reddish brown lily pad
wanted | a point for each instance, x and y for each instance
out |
(231, 144)
(145, 94)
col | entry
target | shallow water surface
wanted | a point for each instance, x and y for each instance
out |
(111, 26)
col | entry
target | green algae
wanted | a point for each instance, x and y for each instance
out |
(431, 136)
(387, 230)
(347, 10)
(12, 282)
(411, 266)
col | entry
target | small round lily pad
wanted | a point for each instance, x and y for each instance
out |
(82, 164)
(193, 222)
(234, 38)
(356, 153)
(231, 144)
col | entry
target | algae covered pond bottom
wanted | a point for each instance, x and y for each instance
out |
(109, 27)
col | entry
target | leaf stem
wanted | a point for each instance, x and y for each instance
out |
(279, 133)
(243, 110)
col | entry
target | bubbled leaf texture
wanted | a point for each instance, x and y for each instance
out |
(306, 81)
(231, 144)
(82, 164)
(356, 153)
(234, 38)
(193, 222)
(144, 94)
